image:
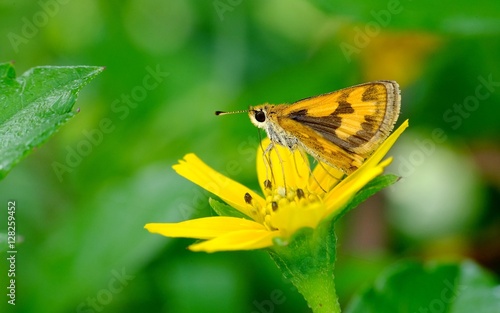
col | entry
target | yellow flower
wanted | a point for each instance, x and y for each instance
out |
(309, 198)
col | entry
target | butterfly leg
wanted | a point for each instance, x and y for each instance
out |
(268, 161)
(333, 178)
(304, 158)
(266, 156)
(282, 169)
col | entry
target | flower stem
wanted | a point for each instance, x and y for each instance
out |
(319, 292)
(307, 260)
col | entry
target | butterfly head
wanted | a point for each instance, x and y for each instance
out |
(259, 116)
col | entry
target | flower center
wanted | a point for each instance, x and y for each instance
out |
(278, 199)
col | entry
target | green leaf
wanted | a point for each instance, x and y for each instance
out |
(34, 105)
(223, 209)
(434, 287)
(369, 190)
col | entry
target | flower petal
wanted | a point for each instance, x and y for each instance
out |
(324, 177)
(292, 218)
(352, 183)
(230, 191)
(371, 168)
(204, 228)
(385, 146)
(282, 166)
(238, 240)
(341, 194)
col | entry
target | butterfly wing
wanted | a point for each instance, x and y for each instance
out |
(344, 127)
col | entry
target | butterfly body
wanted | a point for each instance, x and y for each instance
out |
(341, 128)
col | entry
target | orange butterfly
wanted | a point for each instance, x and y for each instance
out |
(341, 128)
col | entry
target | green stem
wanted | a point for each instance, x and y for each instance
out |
(319, 292)
(308, 262)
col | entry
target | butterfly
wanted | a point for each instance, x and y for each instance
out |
(341, 128)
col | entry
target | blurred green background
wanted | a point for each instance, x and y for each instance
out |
(169, 66)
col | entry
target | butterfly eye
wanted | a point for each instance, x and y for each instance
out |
(260, 116)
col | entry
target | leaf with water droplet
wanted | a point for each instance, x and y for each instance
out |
(34, 106)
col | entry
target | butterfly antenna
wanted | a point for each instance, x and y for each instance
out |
(230, 112)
